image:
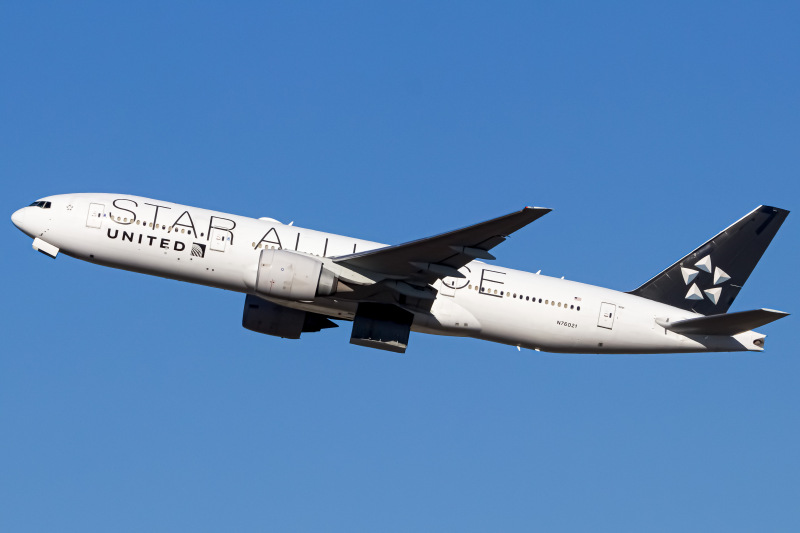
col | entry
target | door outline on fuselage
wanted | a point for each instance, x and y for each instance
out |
(449, 285)
(94, 218)
(218, 239)
(606, 317)
(446, 289)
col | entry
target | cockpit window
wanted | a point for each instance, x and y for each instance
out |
(43, 205)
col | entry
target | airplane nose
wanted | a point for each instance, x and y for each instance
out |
(18, 218)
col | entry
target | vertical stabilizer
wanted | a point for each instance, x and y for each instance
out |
(707, 280)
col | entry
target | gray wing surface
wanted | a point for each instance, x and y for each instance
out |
(442, 255)
(724, 324)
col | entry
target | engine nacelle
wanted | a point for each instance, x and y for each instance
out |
(270, 318)
(293, 276)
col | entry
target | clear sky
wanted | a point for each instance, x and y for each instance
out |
(133, 403)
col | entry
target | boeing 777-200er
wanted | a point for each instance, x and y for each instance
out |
(296, 280)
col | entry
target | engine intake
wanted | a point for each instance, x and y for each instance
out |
(293, 276)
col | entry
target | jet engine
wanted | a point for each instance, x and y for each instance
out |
(270, 318)
(293, 276)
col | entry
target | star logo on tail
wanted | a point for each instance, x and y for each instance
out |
(719, 278)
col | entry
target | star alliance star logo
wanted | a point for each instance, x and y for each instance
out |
(704, 265)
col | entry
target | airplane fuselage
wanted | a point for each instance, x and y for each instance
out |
(490, 302)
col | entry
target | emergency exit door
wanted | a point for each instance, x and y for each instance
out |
(606, 318)
(447, 287)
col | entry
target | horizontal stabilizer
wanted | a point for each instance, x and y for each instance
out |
(724, 324)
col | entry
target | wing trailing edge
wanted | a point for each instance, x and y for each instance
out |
(439, 256)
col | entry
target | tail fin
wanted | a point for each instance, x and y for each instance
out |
(707, 280)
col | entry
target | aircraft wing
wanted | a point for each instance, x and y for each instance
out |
(442, 255)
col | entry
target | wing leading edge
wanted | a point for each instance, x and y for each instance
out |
(442, 255)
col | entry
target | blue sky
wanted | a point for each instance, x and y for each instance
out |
(132, 403)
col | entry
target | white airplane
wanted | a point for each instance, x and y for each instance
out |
(296, 280)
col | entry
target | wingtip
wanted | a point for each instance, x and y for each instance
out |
(774, 208)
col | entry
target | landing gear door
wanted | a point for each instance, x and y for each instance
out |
(606, 318)
(95, 216)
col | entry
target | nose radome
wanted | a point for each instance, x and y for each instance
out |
(18, 218)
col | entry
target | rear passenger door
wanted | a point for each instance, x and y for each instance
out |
(606, 318)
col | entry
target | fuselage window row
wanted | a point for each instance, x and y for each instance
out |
(169, 229)
(527, 298)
